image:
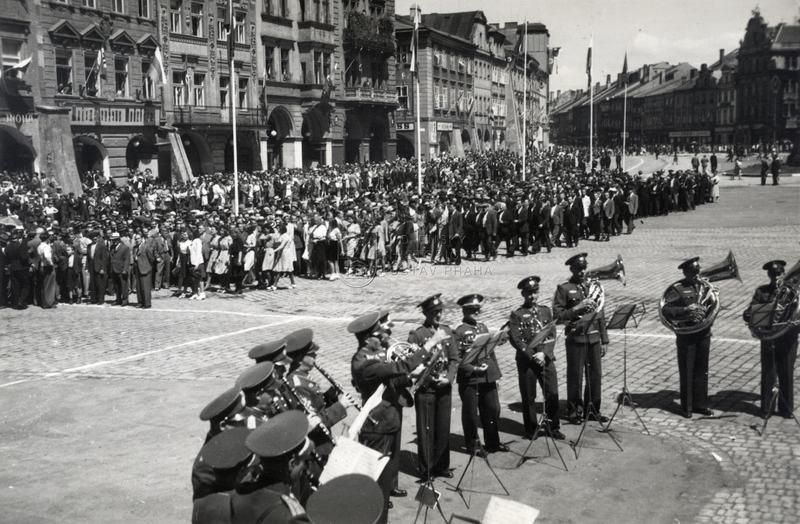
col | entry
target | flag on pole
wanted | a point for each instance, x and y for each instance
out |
(625, 68)
(415, 43)
(160, 62)
(589, 64)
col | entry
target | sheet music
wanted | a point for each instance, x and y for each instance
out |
(507, 511)
(348, 456)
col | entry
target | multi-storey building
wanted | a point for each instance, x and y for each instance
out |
(724, 70)
(766, 78)
(471, 84)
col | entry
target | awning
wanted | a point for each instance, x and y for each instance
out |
(24, 143)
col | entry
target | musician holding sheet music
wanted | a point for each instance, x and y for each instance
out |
(535, 357)
(478, 374)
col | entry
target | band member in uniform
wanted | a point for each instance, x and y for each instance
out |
(778, 355)
(534, 364)
(585, 343)
(370, 369)
(477, 382)
(220, 463)
(433, 399)
(682, 300)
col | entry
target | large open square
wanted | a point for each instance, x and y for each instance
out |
(99, 405)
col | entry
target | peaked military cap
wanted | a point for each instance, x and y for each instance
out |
(268, 350)
(575, 260)
(471, 301)
(299, 340)
(279, 435)
(529, 283)
(256, 377)
(432, 303)
(364, 323)
(325, 504)
(225, 405)
(688, 263)
(774, 265)
(226, 449)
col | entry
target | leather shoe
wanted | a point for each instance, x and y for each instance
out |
(502, 448)
(706, 412)
(556, 434)
(575, 420)
(686, 414)
(599, 418)
(480, 452)
(397, 492)
(444, 474)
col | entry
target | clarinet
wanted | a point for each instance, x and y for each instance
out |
(337, 387)
(306, 405)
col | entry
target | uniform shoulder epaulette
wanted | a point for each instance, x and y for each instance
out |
(294, 507)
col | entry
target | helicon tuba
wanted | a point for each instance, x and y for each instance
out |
(785, 310)
(708, 300)
(612, 271)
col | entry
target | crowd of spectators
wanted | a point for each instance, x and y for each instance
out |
(316, 223)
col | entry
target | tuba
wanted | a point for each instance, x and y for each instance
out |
(708, 300)
(612, 271)
(785, 310)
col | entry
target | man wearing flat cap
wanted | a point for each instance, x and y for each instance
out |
(433, 399)
(535, 363)
(682, 301)
(779, 354)
(371, 369)
(586, 341)
(477, 382)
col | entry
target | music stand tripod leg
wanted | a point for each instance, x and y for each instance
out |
(467, 468)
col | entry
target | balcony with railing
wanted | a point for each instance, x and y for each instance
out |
(371, 95)
(113, 114)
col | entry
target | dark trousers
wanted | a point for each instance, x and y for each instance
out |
(777, 364)
(433, 429)
(20, 287)
(121, 288)
(523, 242)
(583, 359)
(487, 246)
(388, 444)
(480, 402)
(455, 250)
(529, 374)
(693, 371)
(543, 239)
(99, 283)
(144, 288)
(433, 243)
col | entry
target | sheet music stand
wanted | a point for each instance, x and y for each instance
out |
(581, 327)
(619, 320)
(480, 346)
(544, 421)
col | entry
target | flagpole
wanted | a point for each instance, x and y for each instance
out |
(417, 108)
(233, 92)
(591, 108)
(624, 120)
(524, 99)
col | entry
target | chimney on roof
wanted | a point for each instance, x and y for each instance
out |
(608, 80)
(692, 72)
(721, 55)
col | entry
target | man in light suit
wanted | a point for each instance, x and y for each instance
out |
(120, 269)
(144, 261)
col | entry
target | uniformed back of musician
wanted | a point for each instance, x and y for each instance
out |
(433, 399)
(586, 341)
(534, 363)
(778, 355)
(682, 301)
(477, 382)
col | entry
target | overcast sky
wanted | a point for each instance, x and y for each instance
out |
(650, 30)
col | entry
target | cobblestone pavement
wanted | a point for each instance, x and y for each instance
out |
(163, 364)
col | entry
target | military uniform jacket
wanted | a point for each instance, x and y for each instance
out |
(568, 295)
(266, 505)
(371, 369)
(678, 297)
(448, 360)
(523, 326)
(764, 295)
(467, 373)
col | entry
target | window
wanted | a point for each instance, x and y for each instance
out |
(243, 83)
(64, 71)
(222, 16)
(175, 8)
(317, 67)
(118, 6)
(241, 29)
(144, 8)
(199, 90)
(402, 97)
(89, 3)
(148, 83)
(196, 19)
(326, 65)
(11, 51)
(285, 72)
(179, 88)
(302, 4)
(437, 104)
(121, 76)
(324, 12)
(269, 62)
(90, 73)
(224, 88)
(275, 8)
